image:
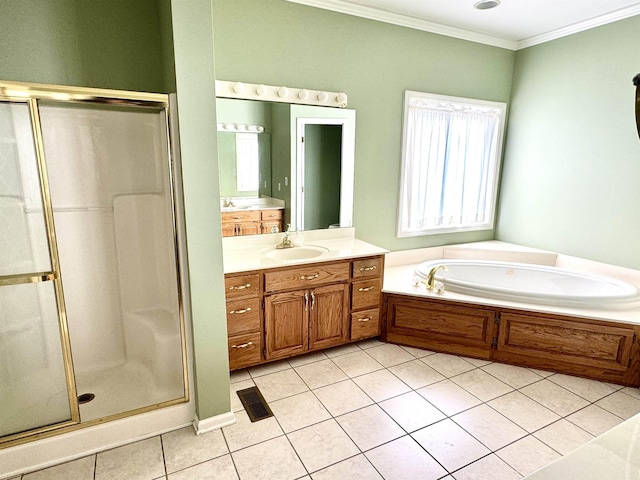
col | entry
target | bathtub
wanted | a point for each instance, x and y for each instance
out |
(530, 283)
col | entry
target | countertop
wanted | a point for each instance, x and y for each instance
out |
(614, 455)
(246, 253)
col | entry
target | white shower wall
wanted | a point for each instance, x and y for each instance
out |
(110, 190)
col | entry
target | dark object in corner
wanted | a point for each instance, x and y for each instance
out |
(254, 404)
(636, 82)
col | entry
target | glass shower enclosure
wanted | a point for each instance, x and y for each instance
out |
(91, 319)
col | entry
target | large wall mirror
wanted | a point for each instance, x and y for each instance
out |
(299, 157)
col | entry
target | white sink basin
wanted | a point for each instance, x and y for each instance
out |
(296, 253)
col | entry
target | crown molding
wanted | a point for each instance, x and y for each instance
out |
(580, 27)
(424, 25)
(407, 21)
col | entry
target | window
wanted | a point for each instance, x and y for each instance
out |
(451, 152)
(247, 159)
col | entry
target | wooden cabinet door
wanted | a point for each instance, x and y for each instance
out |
(228, 229)
(329, 316)
(583, 347)
(286, 324)
(248, 228)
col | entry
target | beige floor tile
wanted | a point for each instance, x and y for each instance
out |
(268, 368)
(370, 343)
(369, 427)
(411, 411)
(236, 404)
(342, 350)
(322, 444)
(554, 397)
(490, 467)
(563, 436)
(307, 358)
(357, 363)
(299, 411)
(477, 362)
(381, 385)
(482, 385)
(183, 448)
(239, 376)
(354, 468)
(633, 391)
(416, 374)
(489, 427)
(417, 352)
(245, 433)
(523, 411)
(342, 397)
(221, 467)
(516, 377)
(591, 390)
(81, 469)
(542, 373)
(620, 404)
(527, 455)
(271, 460)
(405, 459)
(319, 374)
(137, 461)
(448, 397)
(389, 355)
(285, 383)
(450, 445)
(594, 419)
(447, 365)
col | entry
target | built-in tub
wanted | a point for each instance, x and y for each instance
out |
(530, 283)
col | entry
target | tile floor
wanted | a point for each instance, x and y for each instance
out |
(379, 411)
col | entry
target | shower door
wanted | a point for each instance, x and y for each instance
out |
(37, 391)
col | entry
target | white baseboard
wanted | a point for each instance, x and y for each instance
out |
(213, 423)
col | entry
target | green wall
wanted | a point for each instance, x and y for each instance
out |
(118, 44)
(280, 43)
(571, 176)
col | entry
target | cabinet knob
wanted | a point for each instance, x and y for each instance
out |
(239, 287)
(365, 319)
(368, 269)
(244, 345)
(313, 276)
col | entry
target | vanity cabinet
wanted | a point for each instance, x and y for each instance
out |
(598, 349)
(302, 308)
(244, 320)
(251, 222)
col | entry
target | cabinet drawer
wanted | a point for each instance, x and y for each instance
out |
(304, 276)
(367, 267)
(242, 286)
(244, 350)
(241, 216)
(365, 293)
(243, 316)
(365, 324)
(266, 215)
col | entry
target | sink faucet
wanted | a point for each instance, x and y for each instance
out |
(431, 277)
(286, 240)
(228, 203)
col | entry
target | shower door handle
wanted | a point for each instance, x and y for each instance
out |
(20, 279)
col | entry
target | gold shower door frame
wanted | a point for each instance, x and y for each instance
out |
(29, 93)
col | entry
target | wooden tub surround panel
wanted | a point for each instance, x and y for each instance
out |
(598, 349)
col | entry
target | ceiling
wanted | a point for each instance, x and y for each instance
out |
(514, 24)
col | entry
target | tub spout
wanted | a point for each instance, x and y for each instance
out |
(431, 277)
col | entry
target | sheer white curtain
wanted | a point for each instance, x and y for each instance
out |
(450, 157)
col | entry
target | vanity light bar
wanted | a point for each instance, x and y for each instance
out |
(251, 91)
(240, 128)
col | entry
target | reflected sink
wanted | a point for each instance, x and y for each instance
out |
(234, 208)
(296, 253)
